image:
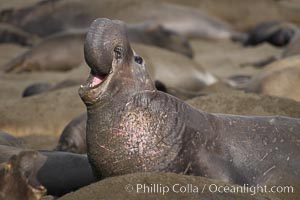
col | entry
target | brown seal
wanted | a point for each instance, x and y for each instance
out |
(132, 127)
(18, 178)
(58, 172)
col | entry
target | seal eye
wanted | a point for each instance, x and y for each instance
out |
(118, 52)
(138, 59)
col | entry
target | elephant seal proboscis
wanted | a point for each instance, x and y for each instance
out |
(132, 127)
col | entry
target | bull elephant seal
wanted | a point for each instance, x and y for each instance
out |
(18, 178)
(73, 137)
(58, 172)
(276, 33)
(132, 127)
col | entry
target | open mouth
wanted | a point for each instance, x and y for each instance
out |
(94, 80)
(92, 89)
(35, 185)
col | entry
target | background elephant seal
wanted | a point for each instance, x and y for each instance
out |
(285, 71)
(276, 33)
(58, 172)
(73, 137)
(9, 140)
(11, 34)
(63, 51)
(38, 88)
(18, 178)
(155, 34)
(132, 127)
(188, 21)
(291, 49)
(59, 52)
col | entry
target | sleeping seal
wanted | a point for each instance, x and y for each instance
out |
(63, 51)
(53, 16)
(132, 127)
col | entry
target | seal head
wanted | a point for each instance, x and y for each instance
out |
(109, 55)
(18, 178)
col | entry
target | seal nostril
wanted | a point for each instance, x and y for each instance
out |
(138, 59)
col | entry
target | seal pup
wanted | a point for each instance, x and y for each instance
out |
(132, 127)
(18, 178)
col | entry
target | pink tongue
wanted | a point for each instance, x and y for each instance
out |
(97, 80)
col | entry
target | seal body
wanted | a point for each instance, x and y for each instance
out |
(132, 127)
